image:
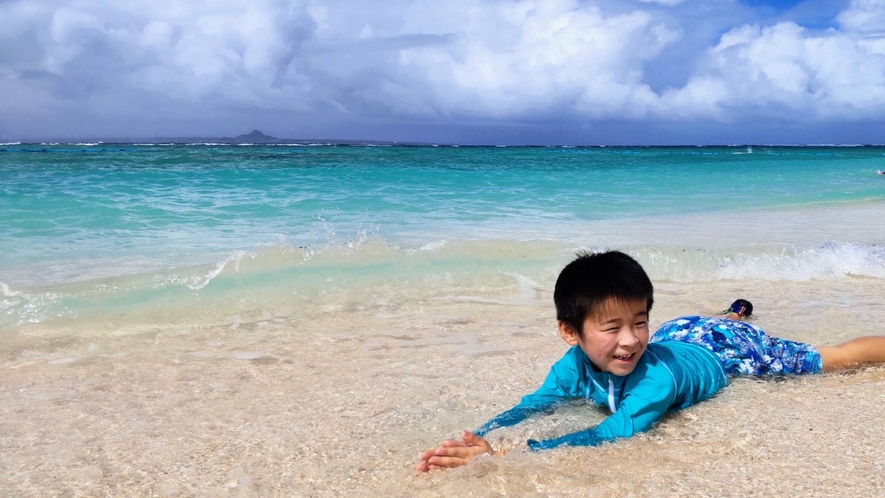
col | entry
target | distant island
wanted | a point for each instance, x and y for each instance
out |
(253, 137)
(257, 137)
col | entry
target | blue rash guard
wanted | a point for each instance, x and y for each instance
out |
(669, 376)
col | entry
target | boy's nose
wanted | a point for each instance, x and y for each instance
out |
(628, 337)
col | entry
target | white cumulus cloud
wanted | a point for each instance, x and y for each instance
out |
(785, 70)
(480, 61)
(864, 16)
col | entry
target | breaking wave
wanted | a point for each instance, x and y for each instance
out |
(448, 267)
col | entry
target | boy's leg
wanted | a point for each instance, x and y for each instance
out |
(870, 349)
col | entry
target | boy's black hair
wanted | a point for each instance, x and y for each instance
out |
(593, 278)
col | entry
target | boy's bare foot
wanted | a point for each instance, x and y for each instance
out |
(739, 310)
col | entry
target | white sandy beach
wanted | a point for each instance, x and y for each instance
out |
(338, 397)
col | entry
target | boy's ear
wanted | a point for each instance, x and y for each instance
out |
(568, 333)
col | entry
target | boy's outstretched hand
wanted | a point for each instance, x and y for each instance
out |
(454, 453)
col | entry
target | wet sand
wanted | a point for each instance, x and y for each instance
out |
(337, 396)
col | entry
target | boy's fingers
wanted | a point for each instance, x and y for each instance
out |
(451, 443)
(448, 462)
(463, 452)
(452, 453)
(446, 444)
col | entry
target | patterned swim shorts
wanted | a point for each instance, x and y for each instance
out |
(742, 348)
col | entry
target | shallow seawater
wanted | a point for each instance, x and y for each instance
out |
(248, 365)
(339, 394)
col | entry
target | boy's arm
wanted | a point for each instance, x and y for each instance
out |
(550, 394)
(638, 411)
(454, 453)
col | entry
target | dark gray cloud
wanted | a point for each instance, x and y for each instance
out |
(472, 71)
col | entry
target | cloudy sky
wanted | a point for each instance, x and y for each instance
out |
(455, 71)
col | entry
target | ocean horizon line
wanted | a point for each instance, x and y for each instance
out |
(215, 142)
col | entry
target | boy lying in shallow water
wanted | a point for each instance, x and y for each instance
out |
(603, 302)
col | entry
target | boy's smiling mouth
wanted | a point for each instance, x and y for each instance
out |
(625, 357)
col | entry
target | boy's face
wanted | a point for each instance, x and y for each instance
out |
(615, 335)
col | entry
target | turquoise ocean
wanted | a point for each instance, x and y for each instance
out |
(109, 228)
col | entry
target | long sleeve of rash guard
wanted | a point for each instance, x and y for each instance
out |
(545, 398)
(643, 405)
